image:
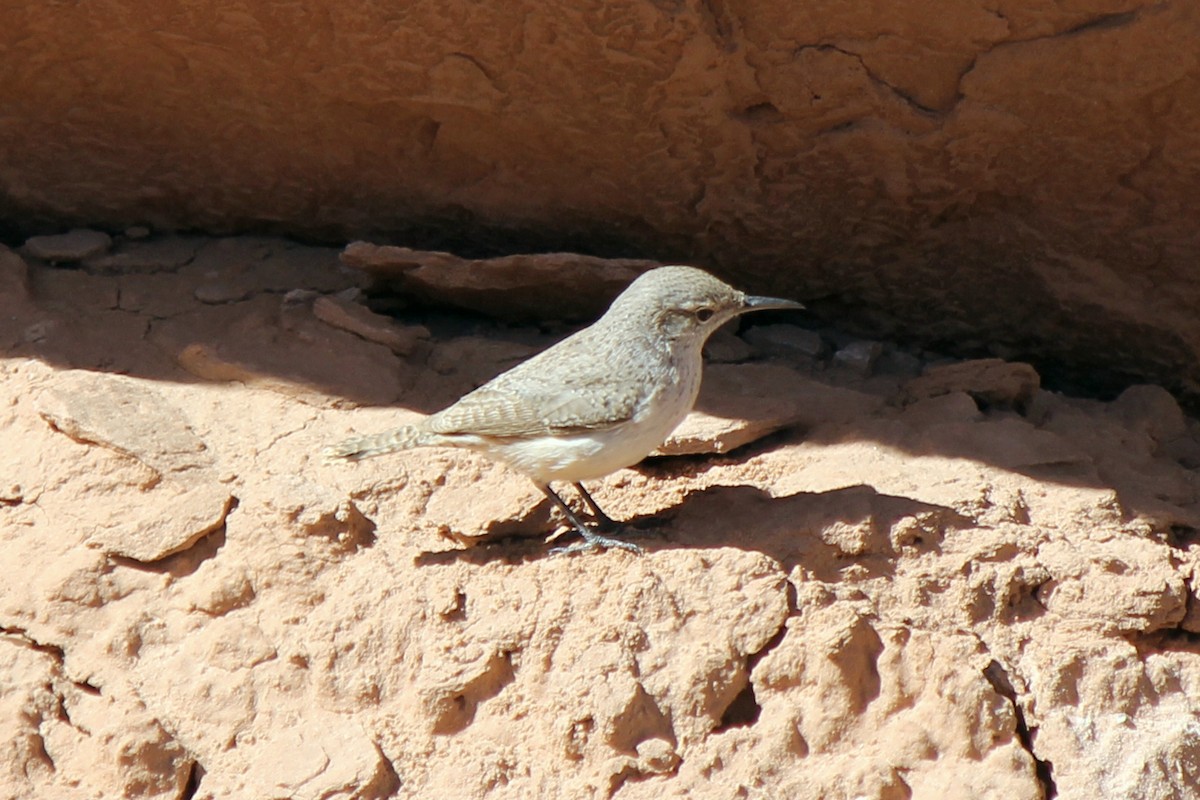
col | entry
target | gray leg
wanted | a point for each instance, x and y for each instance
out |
(606, 523)
(591, 539)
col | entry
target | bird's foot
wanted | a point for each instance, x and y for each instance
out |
(592, 541)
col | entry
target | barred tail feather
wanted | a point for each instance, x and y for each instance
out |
(377, 444)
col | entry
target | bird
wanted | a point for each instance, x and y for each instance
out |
(598, 401)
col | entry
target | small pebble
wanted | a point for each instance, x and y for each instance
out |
(657, 756)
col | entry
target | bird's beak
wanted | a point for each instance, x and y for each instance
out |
(767, 303)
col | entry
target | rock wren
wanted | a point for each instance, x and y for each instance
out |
(597, 401)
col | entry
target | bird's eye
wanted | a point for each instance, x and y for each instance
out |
(704, 314)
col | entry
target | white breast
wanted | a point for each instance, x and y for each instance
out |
(586, 456)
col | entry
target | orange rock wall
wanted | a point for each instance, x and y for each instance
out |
(1020, 176)
(938, 582)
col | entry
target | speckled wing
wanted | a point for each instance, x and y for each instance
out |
(506, 408)
(583, 383)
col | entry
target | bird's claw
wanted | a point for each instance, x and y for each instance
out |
(592, 541)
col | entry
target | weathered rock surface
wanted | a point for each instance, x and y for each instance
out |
(993, 382)
(891, 597)
(14, 279)
(906, 174)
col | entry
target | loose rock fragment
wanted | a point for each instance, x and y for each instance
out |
(1151, 409)
(361, 321)
(537, 286)
(657, 756)
(177, 500)
(859, 356)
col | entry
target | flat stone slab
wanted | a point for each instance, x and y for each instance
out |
(174, 497)
(526, 286)
(741, 403)
(70, 247)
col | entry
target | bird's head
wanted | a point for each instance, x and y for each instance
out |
(686, 305)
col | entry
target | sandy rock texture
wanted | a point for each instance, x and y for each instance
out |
(913, 577)
(1018, 178)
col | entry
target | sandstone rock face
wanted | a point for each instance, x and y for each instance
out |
(916, 587)
(1021, 176)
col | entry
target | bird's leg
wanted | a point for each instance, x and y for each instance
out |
(604, 521)
(591, 539)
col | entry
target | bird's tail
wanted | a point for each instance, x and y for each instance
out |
(377, 444)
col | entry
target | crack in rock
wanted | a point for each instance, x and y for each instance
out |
(997, 676)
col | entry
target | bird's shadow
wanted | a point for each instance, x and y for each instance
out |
(826, 532)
